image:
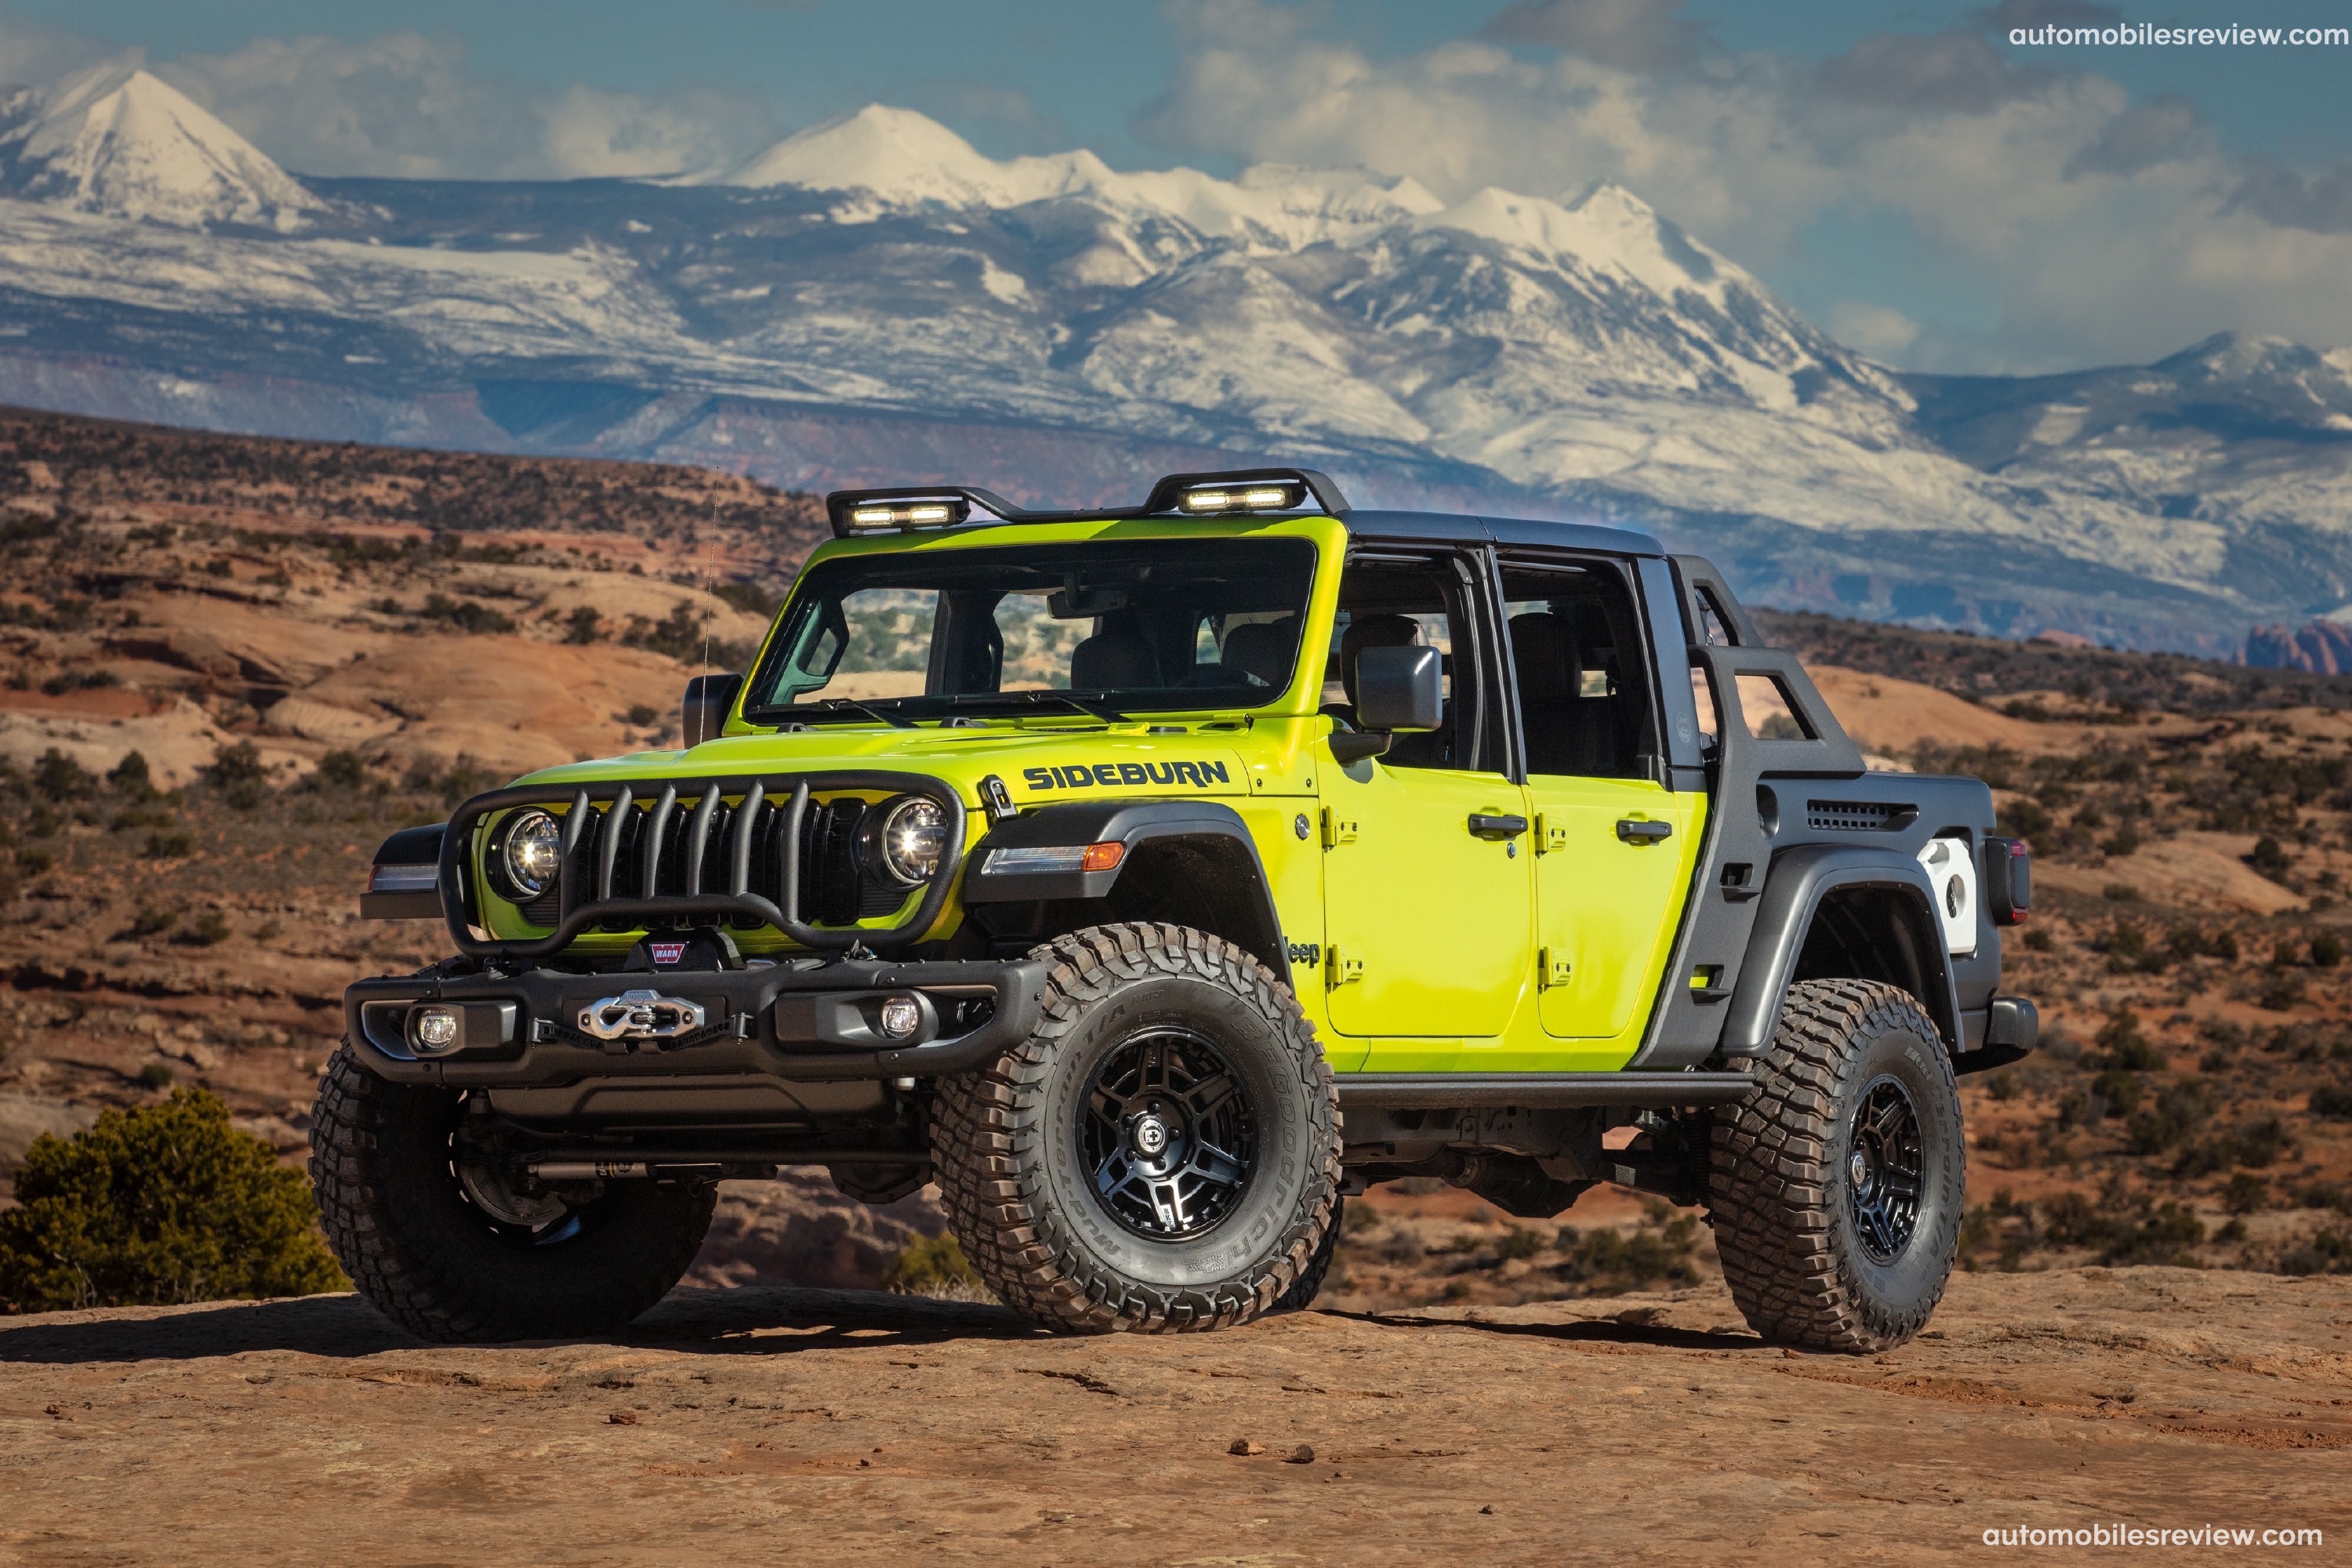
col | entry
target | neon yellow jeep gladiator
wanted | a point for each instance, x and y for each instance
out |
(1150, 878)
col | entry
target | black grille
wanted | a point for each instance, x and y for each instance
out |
(832, 890)
(1856, 816)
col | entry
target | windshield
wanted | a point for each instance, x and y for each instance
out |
(1101, 628)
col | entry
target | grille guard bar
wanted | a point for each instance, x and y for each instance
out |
(579, 913)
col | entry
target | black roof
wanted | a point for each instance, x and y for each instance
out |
(1365, 524)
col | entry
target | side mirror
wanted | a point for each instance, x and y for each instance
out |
(1400, 688)
(708, 699)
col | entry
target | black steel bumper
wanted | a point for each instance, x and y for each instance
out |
(808, 1023)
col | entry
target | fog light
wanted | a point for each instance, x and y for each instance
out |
(901, 1016)
(438, 1030)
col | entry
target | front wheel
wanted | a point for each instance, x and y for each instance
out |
(1836, 1187)
(1162, 1152)
(452, 1248)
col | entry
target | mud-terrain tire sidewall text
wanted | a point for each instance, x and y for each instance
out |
(396, 1216)
(1781, 1197)
(1006, 1141)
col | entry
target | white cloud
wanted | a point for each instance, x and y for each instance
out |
(2106, 230)
(1873, 328)
(411, 107)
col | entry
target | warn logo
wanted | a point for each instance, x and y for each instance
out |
(1115, 775)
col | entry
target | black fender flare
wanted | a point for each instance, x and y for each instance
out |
(1129, 824)
(1800, 880)
(411, 848)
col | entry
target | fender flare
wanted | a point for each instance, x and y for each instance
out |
(1800, 879)
(1127, 822)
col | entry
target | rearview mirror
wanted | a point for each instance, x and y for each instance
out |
(708, 699)
(1400, 688)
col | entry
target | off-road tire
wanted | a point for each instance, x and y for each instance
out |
(1782, 1200)
(428, 1260)
(1006, 1141)
(1309, 1283)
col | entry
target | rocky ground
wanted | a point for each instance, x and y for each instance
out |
(821, 1428)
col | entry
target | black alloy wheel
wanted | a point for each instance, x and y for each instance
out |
(1169, 1135)
(1882, 1169)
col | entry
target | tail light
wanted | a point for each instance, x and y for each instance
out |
(2008, 881)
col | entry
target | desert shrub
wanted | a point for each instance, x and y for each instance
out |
(239, 774)
(2037, 939)
(580, 626)
(206, 929)
(2178, 1113)
(156, 1206)
(59, 777)
(342, 770)
(133, 777)
(2332, 1100)
(640, 715)
(1518, 1242)
(2326, 1251)
(2326, 949)
(2280, 991)
(35, 862)
(153, 920)
(169, 843)
(157, 1075)
(2270, 858)
(1607, 1261)
(2245, 1194)
(465, 615)
(2123, 1046)
(934, 1265)
(1359, 1218)
(2124, 1228)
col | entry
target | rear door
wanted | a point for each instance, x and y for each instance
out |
(1614, 848)
(1428, 890)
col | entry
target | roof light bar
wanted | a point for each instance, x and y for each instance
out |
(872, 516)
(1210, 500)
(1232, 493)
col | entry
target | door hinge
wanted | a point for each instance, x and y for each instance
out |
(1340, 968)
(1550, 836)
(1336, 829)
(1552, 968)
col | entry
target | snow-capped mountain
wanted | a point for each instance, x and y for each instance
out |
(874, 300)
(118, 141)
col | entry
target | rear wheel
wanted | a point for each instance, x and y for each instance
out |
(1161, 1153)
(455, 1248)
(1837, 1187)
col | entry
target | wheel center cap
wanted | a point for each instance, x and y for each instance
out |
(1859, 1168)
(1150, 1136)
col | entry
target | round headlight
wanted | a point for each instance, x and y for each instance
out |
(907, 837)
(534, 842)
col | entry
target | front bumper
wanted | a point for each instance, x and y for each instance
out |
(808, 1023)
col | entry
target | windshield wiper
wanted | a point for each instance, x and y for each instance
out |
(852, 705)
(1092, 707)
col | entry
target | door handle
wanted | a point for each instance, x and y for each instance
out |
(1492, 826)
(1633, 830)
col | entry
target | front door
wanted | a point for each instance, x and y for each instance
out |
(1428, 882)
(1614, 850)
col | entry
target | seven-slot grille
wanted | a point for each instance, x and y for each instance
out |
(833, 889)
(775, 849)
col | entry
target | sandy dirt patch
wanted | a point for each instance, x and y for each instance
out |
(836, 1427)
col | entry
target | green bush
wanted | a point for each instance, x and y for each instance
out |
(159, 1205)
(934, 1265)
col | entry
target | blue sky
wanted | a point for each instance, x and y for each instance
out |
(1993, 208)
